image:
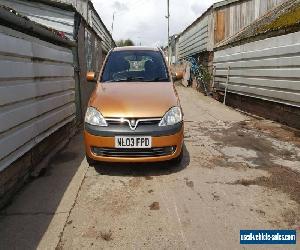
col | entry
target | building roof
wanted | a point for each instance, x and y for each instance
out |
(226, 2)
(58, 4)
(16, 21)
(196, 21)
(69, 5)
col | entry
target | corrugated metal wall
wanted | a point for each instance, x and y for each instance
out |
(194, 40)
(268, 69)
(36, 92)
(49, 16)
(99, 28)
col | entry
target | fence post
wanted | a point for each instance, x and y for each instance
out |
(226, 87)
(213, 77)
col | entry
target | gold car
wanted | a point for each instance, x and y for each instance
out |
(134, 113)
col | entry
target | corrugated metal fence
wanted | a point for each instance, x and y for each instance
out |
(267, 69)
(37, 94)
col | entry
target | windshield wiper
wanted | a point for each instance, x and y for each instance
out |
(136, 78)
(120, 80)
(132, 79)
(158, 79)
(128, 79)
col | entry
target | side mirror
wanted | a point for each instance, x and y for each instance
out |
(174, 77)
(179, 75)
(91, 77)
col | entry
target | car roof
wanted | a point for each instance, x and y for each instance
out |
(126, 48)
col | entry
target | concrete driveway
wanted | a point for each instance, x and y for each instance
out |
(237, 173)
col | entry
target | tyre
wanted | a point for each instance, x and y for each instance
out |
(90, 161)
(178, 159)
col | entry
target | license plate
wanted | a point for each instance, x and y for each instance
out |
(133, 141)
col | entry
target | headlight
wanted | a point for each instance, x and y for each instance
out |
(172, 117)
(94, 117)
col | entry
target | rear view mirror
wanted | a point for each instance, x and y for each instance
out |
(91, 77)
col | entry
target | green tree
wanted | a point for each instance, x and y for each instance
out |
(127, 42)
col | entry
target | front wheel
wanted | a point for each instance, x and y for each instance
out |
(178, 159)
(90, 161)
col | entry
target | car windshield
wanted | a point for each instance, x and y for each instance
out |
(135, 66)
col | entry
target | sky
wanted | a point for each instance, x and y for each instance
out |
(144, 21)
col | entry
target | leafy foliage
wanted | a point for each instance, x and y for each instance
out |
(123, 43)
(200, 73)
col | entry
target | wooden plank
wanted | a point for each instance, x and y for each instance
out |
(210, 42)
(219, 26)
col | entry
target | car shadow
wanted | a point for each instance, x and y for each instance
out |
(143, 169)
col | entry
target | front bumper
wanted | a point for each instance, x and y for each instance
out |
(103, 138)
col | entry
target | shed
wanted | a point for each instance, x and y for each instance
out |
(260, 68)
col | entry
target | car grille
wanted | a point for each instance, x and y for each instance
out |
(119, 122)
(148, 122)
(134, 153)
